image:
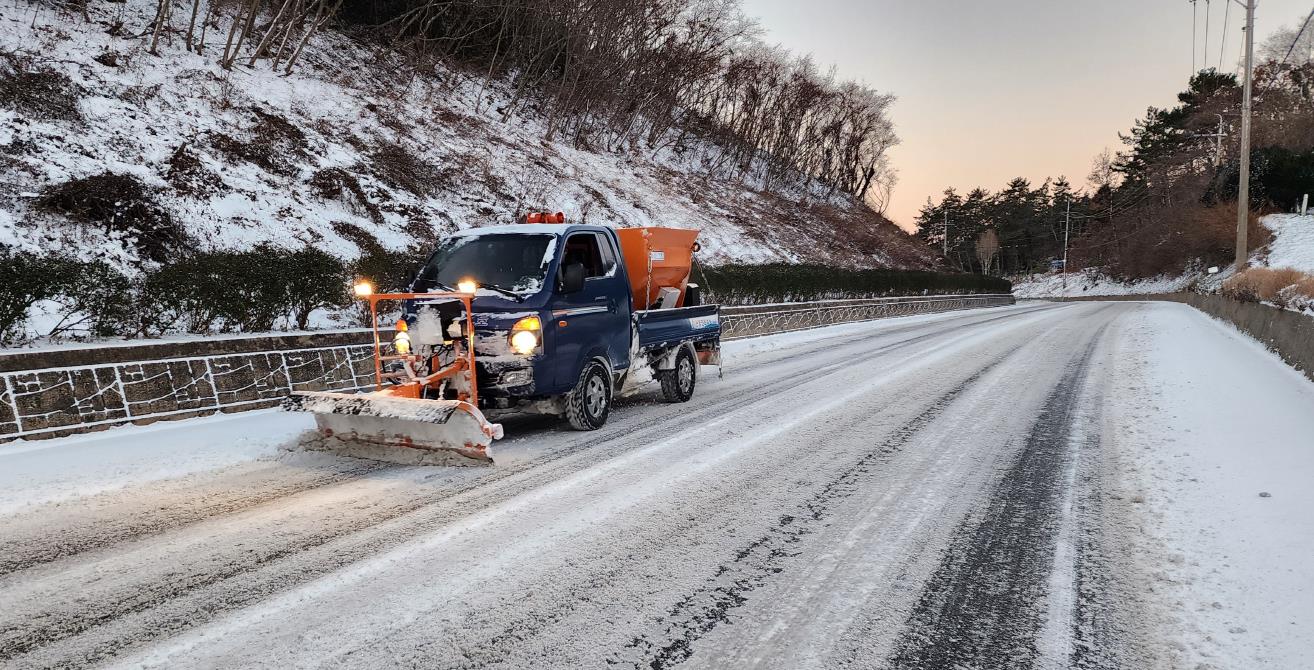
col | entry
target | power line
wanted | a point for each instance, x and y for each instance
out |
(1206, 40)
(1195, 32)
(1272, 80)
(1227, 17)
(1296, 41)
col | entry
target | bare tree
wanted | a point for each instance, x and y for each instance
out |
(987, 248)
(163, 12)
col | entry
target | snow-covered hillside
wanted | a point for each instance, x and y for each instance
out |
(1292, 247)
(187, 154)
(1293, 242)
(1094, 283)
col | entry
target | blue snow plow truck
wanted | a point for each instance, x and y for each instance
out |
(541, 317)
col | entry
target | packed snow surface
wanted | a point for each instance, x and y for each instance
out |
(1095, 485)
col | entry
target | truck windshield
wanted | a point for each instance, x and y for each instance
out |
(508, 261)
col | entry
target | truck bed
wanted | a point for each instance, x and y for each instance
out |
(661, 328)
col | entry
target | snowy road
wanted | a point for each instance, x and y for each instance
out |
(1045, 485)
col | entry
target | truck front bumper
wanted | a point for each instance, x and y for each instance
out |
(503, 381)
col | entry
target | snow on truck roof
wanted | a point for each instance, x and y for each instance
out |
(521, 228)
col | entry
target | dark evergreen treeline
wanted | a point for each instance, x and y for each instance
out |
(1167, 199)
(1027, 224)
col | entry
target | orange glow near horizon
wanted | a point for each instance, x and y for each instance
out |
(992, 91)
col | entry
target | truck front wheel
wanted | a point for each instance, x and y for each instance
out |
(678, 382)
(589, 402)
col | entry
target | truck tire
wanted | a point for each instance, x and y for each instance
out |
(678, 382)
(589, 403)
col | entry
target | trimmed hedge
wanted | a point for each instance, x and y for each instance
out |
(88, 299)
(783, 282)
(241, 291)
(225, 292)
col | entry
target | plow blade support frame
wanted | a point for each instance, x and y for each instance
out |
(372, 424)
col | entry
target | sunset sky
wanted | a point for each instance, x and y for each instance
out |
(992, 91)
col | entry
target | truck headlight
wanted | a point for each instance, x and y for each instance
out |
(526, 336)
(524, 342)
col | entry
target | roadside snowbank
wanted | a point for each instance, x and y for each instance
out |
(1220, 486)
(38, 472)
(1093, 283)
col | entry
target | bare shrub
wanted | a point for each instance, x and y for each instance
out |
(274, 144)
(118, 204)
(37, 91)
(1281, 286)
(140, 96)
(108, 58)
(343, 186)
(400, 168)
(1299, 296)
(189, 176)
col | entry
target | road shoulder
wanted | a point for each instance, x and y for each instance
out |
(1211, 435)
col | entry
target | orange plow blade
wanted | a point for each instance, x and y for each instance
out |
(385, 427)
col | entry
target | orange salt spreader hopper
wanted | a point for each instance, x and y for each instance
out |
(657, 258)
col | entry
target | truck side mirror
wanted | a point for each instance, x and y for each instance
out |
(572, 278)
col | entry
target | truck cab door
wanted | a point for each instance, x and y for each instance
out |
(596, 318)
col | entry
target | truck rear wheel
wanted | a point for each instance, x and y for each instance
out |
(678, 382)
(589, 403)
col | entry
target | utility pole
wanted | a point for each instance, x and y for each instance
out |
(946, 232)
(1067, 229)
(1218, 143)
(1243, 192)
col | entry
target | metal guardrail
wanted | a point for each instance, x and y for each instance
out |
(59, 392)
(749, 321)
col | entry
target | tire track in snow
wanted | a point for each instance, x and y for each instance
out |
(759, 561)
(33, 633)
(984, 605)
(507, 585)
